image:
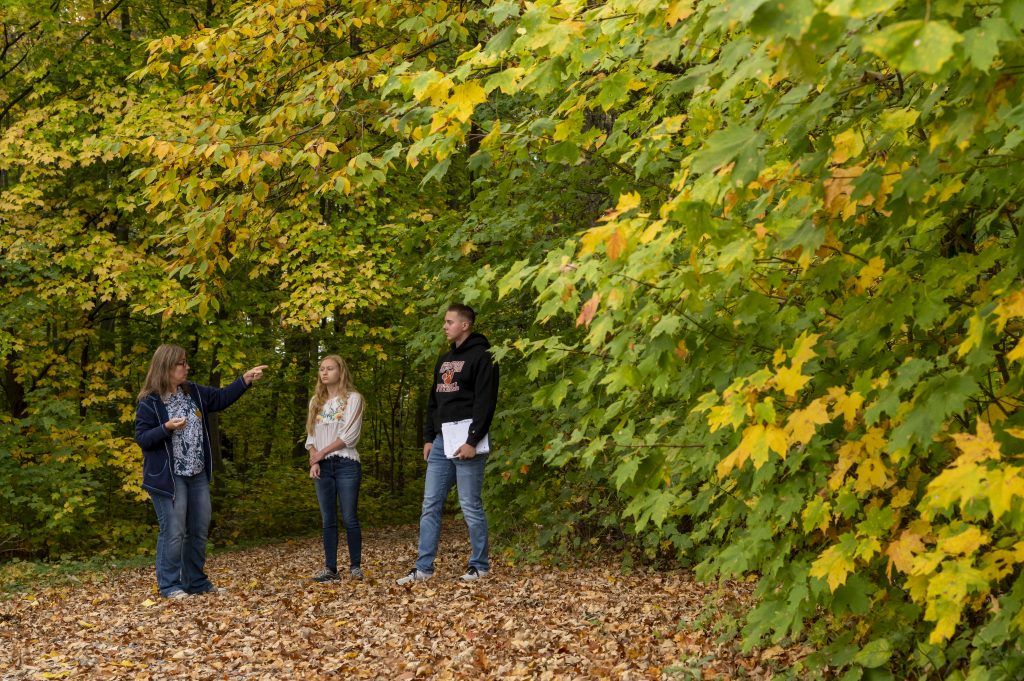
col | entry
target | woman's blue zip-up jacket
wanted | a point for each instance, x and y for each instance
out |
(155, 440)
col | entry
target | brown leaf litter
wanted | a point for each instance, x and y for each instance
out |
(522, 622)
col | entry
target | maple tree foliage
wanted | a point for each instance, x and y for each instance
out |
(91, 287)
(755, 267)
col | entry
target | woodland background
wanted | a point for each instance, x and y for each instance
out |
(753, 270)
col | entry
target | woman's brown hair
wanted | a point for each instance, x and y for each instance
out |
(316, 403)
(158, 378)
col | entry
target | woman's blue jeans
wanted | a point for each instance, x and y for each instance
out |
(468, 476)
(339, 482)
(181, 544)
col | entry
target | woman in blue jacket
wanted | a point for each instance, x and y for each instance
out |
(172, 428)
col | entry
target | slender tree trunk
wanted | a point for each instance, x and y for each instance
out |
(275, 400)
(14, 391)
(303, 348)
(216, 449)
(83, 380)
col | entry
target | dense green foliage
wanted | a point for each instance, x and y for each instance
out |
(755, 269)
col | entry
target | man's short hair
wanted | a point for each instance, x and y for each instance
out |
(464, 311)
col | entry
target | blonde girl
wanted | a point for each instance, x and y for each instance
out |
(333, 425)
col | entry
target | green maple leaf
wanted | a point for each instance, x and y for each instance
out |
(921, 46)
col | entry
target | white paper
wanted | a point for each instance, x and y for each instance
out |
(455, 433)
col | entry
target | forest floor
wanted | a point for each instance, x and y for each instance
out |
(522, 622)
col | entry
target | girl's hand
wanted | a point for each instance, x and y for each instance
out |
(314, 456)
(314, 471)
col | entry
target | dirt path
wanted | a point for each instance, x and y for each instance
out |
(525, 622)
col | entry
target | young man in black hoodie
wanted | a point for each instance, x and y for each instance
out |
(456, 442)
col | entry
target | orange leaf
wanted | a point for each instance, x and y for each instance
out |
(589, 310)
(615, 245)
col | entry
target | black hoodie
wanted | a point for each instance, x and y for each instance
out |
(465, 387)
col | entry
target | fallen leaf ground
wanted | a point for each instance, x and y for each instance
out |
(524, 622)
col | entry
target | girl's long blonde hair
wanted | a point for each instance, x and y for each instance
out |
(316, 403)
(158, 378)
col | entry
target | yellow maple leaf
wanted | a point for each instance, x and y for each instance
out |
(755, 442)
(869, 273)
(846, 145)
(465, 97)
(1009, 307)
(753, 446)
(777, 440)
(820, 509)
(678, 11)
(867, 547)
(849, 453)
(627, 201)
(1017, 352)
(927, 563)
(998, 564)
(732, 413)
(726, 465)
(592, 237)
(901, 552)
(803, 349)
(980, 447)
(803, 423)
(654, 230)
(833, 565)
(954, 485)
(790, 380)
(947, 594)
(874, 440)
(975, 332)
(871, 474)
(848, 406)
(966, 542)
(1002, 487)
(436, 91)
(945, 612)
(901, 498)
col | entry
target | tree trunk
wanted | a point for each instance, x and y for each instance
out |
(303, 348)
(14, 391)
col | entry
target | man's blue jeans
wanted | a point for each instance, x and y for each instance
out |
(468, 476)
(181, 544)
(339, 481)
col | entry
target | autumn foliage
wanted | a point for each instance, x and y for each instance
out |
(756, 267)
(274, 622)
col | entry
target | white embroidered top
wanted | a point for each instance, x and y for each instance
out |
(339, 419)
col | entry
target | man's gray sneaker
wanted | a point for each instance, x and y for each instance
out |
(177, 594)
(326, 575)
(212, 590)
(472, 574)
(355, 572)
(414, 576)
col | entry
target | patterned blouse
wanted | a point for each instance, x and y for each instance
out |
(187, 442)
(341, 418)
